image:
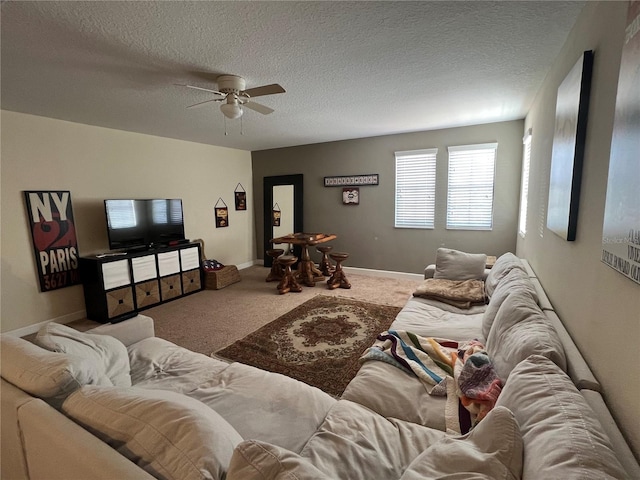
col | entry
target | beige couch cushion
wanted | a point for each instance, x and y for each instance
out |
(43, 373)
(354, 443)
(520, 330)
(504, 264)
(255, 460)
(456, 265)
(392, 392)
(514, 280)
(491, 450)
(422, 317)
(168, 434)
(562, 437)
(108, 353)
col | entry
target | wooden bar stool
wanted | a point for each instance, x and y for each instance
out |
(288, 282)
(325, 265)
(337, 278)
(276, 272)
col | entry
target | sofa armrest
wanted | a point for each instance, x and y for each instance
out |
(577, 367)
(620, 447)
(56, 448)
(429, 271)
(128, 331)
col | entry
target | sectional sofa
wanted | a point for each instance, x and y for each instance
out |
(118, 402)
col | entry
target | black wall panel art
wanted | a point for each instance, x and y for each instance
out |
(572, 110)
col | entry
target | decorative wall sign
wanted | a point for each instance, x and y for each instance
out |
(276, 216)
(222, 214)
(241, 197)
(351, 180)
(351, 196)
(572, 109)
(54, 238)
(621, 226)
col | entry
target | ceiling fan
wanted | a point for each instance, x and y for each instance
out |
(233, 96)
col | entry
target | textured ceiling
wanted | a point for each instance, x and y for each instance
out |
(350, 69)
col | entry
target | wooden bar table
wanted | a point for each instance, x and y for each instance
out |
(307, 272)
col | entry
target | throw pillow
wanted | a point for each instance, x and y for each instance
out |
(519, 330)
(504, 264)
(107, 352)
(457, 265)
(562, 436)
(255, 460)
(43, 373)
(493, 449)
(168, 434)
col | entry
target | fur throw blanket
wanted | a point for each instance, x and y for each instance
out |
(459, 293)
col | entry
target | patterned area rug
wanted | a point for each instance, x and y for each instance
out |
(318, 342)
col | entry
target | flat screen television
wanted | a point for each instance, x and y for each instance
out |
(143, 223)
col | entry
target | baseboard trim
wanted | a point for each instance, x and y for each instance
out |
(30, 329)
(384, 273)
(244, 265)
(365, 271)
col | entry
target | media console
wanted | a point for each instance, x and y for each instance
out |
(118, 285)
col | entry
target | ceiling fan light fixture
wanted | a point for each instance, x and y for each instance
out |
(231, 110)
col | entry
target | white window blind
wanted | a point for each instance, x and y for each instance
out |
(524, 188)
(122, 214)
(415, 188)
(470, 191)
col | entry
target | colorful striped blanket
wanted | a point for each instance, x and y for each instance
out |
(460, 370)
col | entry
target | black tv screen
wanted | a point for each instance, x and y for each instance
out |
(133, 223)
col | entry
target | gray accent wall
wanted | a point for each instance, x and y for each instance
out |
(366, 231)
(599, 306)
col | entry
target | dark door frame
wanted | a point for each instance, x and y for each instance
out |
(268, 184)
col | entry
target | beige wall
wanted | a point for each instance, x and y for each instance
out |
(367, 230)
(97, 163)
(599, 306)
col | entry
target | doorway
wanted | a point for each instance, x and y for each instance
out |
(287, 192)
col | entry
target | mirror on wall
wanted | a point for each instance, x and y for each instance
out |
(286, 192)
(283, 208)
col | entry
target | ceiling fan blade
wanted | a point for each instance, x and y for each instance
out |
(200, 88)
(205, 102)
(265, 90)
(258, 107)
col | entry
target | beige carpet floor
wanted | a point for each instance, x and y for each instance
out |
(210, 320)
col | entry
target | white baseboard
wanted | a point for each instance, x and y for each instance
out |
(384, 273)
(365, 271)
(244, 265)
(29, 329)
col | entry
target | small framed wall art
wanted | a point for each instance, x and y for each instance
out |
(350, 196)
(240, 197)
(222, 214)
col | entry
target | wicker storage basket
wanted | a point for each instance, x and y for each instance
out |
(217, 279)
(221, 278)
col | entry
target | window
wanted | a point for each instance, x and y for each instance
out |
(470, 191)
(524, 188)
(415, 188)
